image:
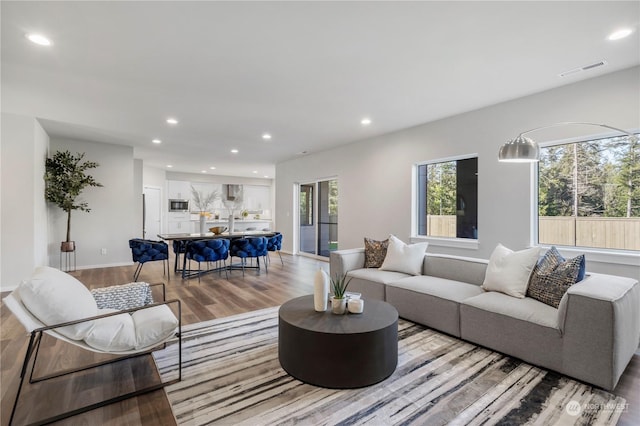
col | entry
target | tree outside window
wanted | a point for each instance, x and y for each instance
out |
(448, 199)
(589, 194)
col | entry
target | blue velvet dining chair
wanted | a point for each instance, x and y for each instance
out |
(211, 250)
(143, 251)
(275, 244)
(179, 247)
(249, 248)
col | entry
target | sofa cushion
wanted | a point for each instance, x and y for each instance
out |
(457, 268)
(526, 309)
(374, 252)
(508, 271)
(112, 334)
(55, 297)
(371, 283)
(440, 287)
(552, 277)
(434, 302)
(377, 275)
(153, 325)
(524, 328)
(401, 257)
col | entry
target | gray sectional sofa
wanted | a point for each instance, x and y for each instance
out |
(591, 336)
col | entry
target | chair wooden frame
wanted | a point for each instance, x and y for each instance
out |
(15, 305)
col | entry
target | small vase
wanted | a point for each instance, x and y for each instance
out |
(320, 291)
(203, 224)
(338, 306)
(231, 223)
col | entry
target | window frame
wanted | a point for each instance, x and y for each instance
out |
(455, 242)
(596, 254)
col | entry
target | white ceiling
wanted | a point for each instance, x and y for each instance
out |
(306, 72)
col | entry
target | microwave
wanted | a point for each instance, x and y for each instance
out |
(178, 205)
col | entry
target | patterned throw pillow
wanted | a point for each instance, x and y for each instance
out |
(374, 252)
(552, 277)
(125, 296)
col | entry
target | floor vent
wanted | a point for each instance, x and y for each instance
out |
(584, 68)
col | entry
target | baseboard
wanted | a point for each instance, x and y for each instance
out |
(104, 265)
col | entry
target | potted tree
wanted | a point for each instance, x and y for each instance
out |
(65, 178)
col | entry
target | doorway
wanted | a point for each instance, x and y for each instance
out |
(318, 217)
(152, 216)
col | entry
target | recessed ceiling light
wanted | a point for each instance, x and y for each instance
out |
(39, 39)
(266, 176)
(234, 151)
(171, 120)
(212, 168)
(255, 172)
(617, 35)
(266, 136)
(156, 141)
(169, 166)
(365, 121)
(203, 171)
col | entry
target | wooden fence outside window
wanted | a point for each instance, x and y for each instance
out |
(599, 232)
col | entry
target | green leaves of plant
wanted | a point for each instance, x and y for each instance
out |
(65, 178)
(339, 284)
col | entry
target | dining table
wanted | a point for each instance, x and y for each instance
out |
(184, 238)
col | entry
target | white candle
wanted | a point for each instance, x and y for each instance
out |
(355, 306)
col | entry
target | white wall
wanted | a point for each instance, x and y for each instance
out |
(115, 215)
(23, 214)
(152, 176)
(375, 175)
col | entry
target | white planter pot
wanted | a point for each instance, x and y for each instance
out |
(338, 306)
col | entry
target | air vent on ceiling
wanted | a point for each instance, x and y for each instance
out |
(584, 68)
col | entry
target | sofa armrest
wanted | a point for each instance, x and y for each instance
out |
(600, 321)
(343, 261)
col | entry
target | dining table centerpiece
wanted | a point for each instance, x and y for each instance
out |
(204, 203)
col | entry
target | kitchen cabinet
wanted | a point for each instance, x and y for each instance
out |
(178, 189)
(179, 222)
(257, 197)
(180, 227)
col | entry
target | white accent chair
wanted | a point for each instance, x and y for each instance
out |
(126, 323)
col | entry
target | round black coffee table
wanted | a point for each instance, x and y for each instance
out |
(338, 351)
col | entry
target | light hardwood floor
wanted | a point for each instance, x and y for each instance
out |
(213, 297)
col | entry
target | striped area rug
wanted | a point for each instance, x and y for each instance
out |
(232, 376)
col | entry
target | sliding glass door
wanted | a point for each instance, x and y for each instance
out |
(318, 217)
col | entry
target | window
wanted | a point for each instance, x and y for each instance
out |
(306, 205)
(589, 194)
(448, 198)
(318, 229)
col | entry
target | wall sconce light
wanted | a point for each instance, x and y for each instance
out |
(526, 150)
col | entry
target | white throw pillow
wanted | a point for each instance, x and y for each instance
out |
(508, 271)
(153, 325)
(112, 334)
(55, 297)
(401, 257)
